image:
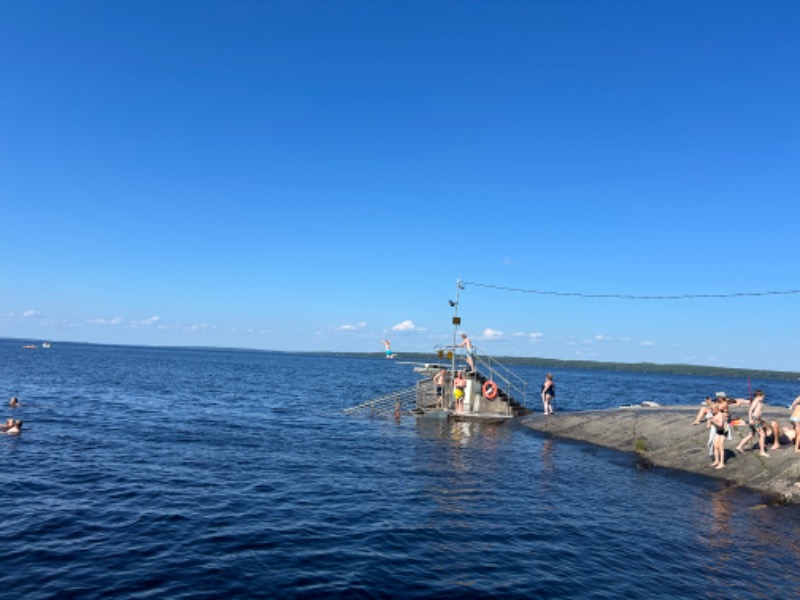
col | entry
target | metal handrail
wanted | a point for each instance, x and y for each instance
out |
(422, 396)
(387, 403)
(514, 385)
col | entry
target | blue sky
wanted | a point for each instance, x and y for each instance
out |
(318, 175)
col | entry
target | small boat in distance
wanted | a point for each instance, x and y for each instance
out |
(45, 344)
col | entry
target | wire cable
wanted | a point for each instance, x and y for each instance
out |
(632, 296)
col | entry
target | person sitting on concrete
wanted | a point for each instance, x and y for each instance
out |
(785, 435)
(705, 412)
(733, 401)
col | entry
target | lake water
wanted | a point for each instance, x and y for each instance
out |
(163, 473)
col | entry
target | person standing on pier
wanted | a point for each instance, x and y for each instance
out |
(756, 423)
(469, 349)
(438, 381)
(549, 394)
(460, 385)
(795, 419)
(719, 423)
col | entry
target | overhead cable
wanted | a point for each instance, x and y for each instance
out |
(632, 296)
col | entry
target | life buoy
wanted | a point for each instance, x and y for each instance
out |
(489, 390)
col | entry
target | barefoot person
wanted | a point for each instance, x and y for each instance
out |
(705, 412)
(438, 381)
(718, 422)
(548, 394)
(795, 419)
(388, 346)
(757, 424)
(460, 385)
(469, 350)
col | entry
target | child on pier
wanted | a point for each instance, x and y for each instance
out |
(757, 424)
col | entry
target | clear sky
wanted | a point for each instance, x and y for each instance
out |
(317, 175)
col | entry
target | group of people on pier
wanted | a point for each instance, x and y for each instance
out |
(716, 413)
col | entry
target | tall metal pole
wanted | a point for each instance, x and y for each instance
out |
(456, 321)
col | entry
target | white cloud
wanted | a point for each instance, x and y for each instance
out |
(146, 322)
(601, 338)
(491, 334)
(349, 327)
(648, 343)
(405, 326)
(114, 321)
(535, 336)
(31, 313)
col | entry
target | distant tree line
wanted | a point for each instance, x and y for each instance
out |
(643, 367)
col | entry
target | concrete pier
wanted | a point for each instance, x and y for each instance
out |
(664, 436)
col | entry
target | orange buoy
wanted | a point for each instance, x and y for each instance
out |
(489, 390)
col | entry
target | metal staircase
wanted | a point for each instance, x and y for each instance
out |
(421, 399)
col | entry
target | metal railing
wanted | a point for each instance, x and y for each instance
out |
(514, 386)
(388, 403)
(422, 395)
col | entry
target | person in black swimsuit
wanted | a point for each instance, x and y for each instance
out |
(719, 421)
(549, 394)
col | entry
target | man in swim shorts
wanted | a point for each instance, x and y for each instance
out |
(469, 350)
(757, 425)
(438, 381)
(460, 385)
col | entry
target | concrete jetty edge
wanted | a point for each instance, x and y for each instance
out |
(664, 436)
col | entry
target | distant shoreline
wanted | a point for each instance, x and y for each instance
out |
(547, 363)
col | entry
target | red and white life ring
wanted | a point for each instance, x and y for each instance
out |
(489, 390)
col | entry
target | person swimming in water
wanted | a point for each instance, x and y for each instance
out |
(12, 427)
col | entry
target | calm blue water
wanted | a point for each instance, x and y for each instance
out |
(158, 473)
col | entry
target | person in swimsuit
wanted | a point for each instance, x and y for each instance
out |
(705, 411)
(438, 381)
(548, 394)
(795, 419)
(460, 385)
(388, 345)
(12, 427)
(780, 435)
(757, 424)
(719, 422)
(469, 350)
(13, 403)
